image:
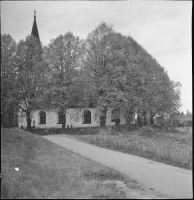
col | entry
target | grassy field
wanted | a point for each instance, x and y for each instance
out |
(171, 148)
(32, 167)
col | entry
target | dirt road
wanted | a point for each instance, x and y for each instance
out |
(170, 181)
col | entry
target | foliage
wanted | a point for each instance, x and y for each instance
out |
(147, 131)
(105, 65)
(175, 119)
(98, 54)
(28, 72)
(8, 53)
(64, 88)
(124, 76)
(107, 70)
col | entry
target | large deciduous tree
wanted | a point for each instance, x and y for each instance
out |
(30, 77)
(152, 91)
(63, 56)
(8, 52)
(161, 94)
(125, 76)
(98, 68)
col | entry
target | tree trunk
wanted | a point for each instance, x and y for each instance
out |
(2, 114)
(129, 115)
(145, 118)
(103, 118)
(117, 122)
(172, 125)
(28, 120)
(139, 120)
(103, 121)
(151, 117)
(148, 118)
(63, 121)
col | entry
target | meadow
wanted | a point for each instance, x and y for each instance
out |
(152, 143)
(32, 167)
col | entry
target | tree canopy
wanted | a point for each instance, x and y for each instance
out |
(106, 70)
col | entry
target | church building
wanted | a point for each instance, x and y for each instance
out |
(74, 117)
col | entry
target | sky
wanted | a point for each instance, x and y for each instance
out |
(163, 28)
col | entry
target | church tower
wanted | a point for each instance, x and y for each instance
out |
(35, 28)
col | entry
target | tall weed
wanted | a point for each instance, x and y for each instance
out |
(148, 142)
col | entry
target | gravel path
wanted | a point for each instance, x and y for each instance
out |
(170, 181)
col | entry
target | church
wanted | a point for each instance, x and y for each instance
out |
(74, 117)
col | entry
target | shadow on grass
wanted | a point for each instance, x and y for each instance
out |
(84, 130)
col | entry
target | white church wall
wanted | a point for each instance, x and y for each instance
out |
(74, 118)
(51, 120)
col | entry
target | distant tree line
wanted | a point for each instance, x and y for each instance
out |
(106, 70)
(175, 119)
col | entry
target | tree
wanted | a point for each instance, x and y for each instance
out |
(64, 88)
(100, 65)
(125, 76)
(8, 52)
(131, 79)
(189, 113)
(159, 95)
(113, 72)
(30, 77)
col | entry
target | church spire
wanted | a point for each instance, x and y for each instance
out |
(34, 28)
(34, 15)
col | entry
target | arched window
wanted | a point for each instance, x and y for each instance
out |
(115, 115)
(86, 117)
(61, 116)
(42, 116)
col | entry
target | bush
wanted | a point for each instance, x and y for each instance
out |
(188, 122)
(124, 127)
(147, 131)
(174, 130)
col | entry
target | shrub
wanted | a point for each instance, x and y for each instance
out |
(188, 122)
(174, 130)
(147, 131)
(105, 131)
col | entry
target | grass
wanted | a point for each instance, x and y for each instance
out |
(70, 131)
(170, 148)
(50, 172)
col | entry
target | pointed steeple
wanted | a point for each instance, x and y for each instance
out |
(35, 28)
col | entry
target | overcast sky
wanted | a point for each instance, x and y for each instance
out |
(163, 28)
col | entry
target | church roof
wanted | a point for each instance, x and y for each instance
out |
(35, 28)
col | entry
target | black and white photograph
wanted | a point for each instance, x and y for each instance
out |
(96, 100)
